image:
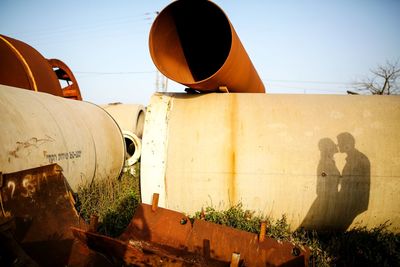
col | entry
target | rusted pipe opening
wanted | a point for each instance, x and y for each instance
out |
(190, 40)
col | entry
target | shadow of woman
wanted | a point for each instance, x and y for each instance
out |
(321, 214)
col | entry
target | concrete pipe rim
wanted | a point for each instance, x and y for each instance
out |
(132, 139)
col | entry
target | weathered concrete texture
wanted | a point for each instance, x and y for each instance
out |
(40, 129)
(277, 154)
(129, 117)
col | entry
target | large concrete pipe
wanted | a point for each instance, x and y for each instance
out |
(39, 129)
(276, 154)
(24, 67)
(130, 119)
(194, 43)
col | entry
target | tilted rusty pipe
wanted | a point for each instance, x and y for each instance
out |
(194, 43)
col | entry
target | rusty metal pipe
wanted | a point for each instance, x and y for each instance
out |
(23, 66)
(194, 43)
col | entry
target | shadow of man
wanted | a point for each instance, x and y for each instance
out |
(353, 197)
(321, 214)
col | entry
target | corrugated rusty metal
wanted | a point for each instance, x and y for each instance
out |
(24, 67)
(63, 72)
(194, 43)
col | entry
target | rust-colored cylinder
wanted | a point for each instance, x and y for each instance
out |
(63, 72)
(23, 67)
(194, 43)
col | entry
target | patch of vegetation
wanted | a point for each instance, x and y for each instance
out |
(362, 247)
(113, 200)
(357, 247)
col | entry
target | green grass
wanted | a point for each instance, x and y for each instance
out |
(357, 247)
(113, 200)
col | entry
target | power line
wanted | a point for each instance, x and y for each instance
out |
(68, 27)
(305, 89)
(113, 73)
(310, 82)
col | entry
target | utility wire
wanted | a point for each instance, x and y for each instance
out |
(113, 73)
(58, 28)
(312, 82)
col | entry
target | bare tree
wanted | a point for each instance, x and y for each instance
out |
(385, 80)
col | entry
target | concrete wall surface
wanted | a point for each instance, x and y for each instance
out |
(325, 161)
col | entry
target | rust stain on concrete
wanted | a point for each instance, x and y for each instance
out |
(233, 157)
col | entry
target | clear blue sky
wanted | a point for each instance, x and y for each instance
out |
(296, 46)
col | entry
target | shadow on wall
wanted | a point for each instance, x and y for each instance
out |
(341, 196)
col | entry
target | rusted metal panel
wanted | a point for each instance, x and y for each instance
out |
(161, 226)
(137, 252)
(210, 241)
(194, 43)
(63, 72)
(24, 67)
(40, 203)
(219, 242)
(161, 237)
(37, 206)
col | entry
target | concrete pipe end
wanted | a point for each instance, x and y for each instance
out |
(133, 148)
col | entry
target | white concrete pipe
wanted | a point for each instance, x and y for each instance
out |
(38, 129)
(276, 154)
(130, 119)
